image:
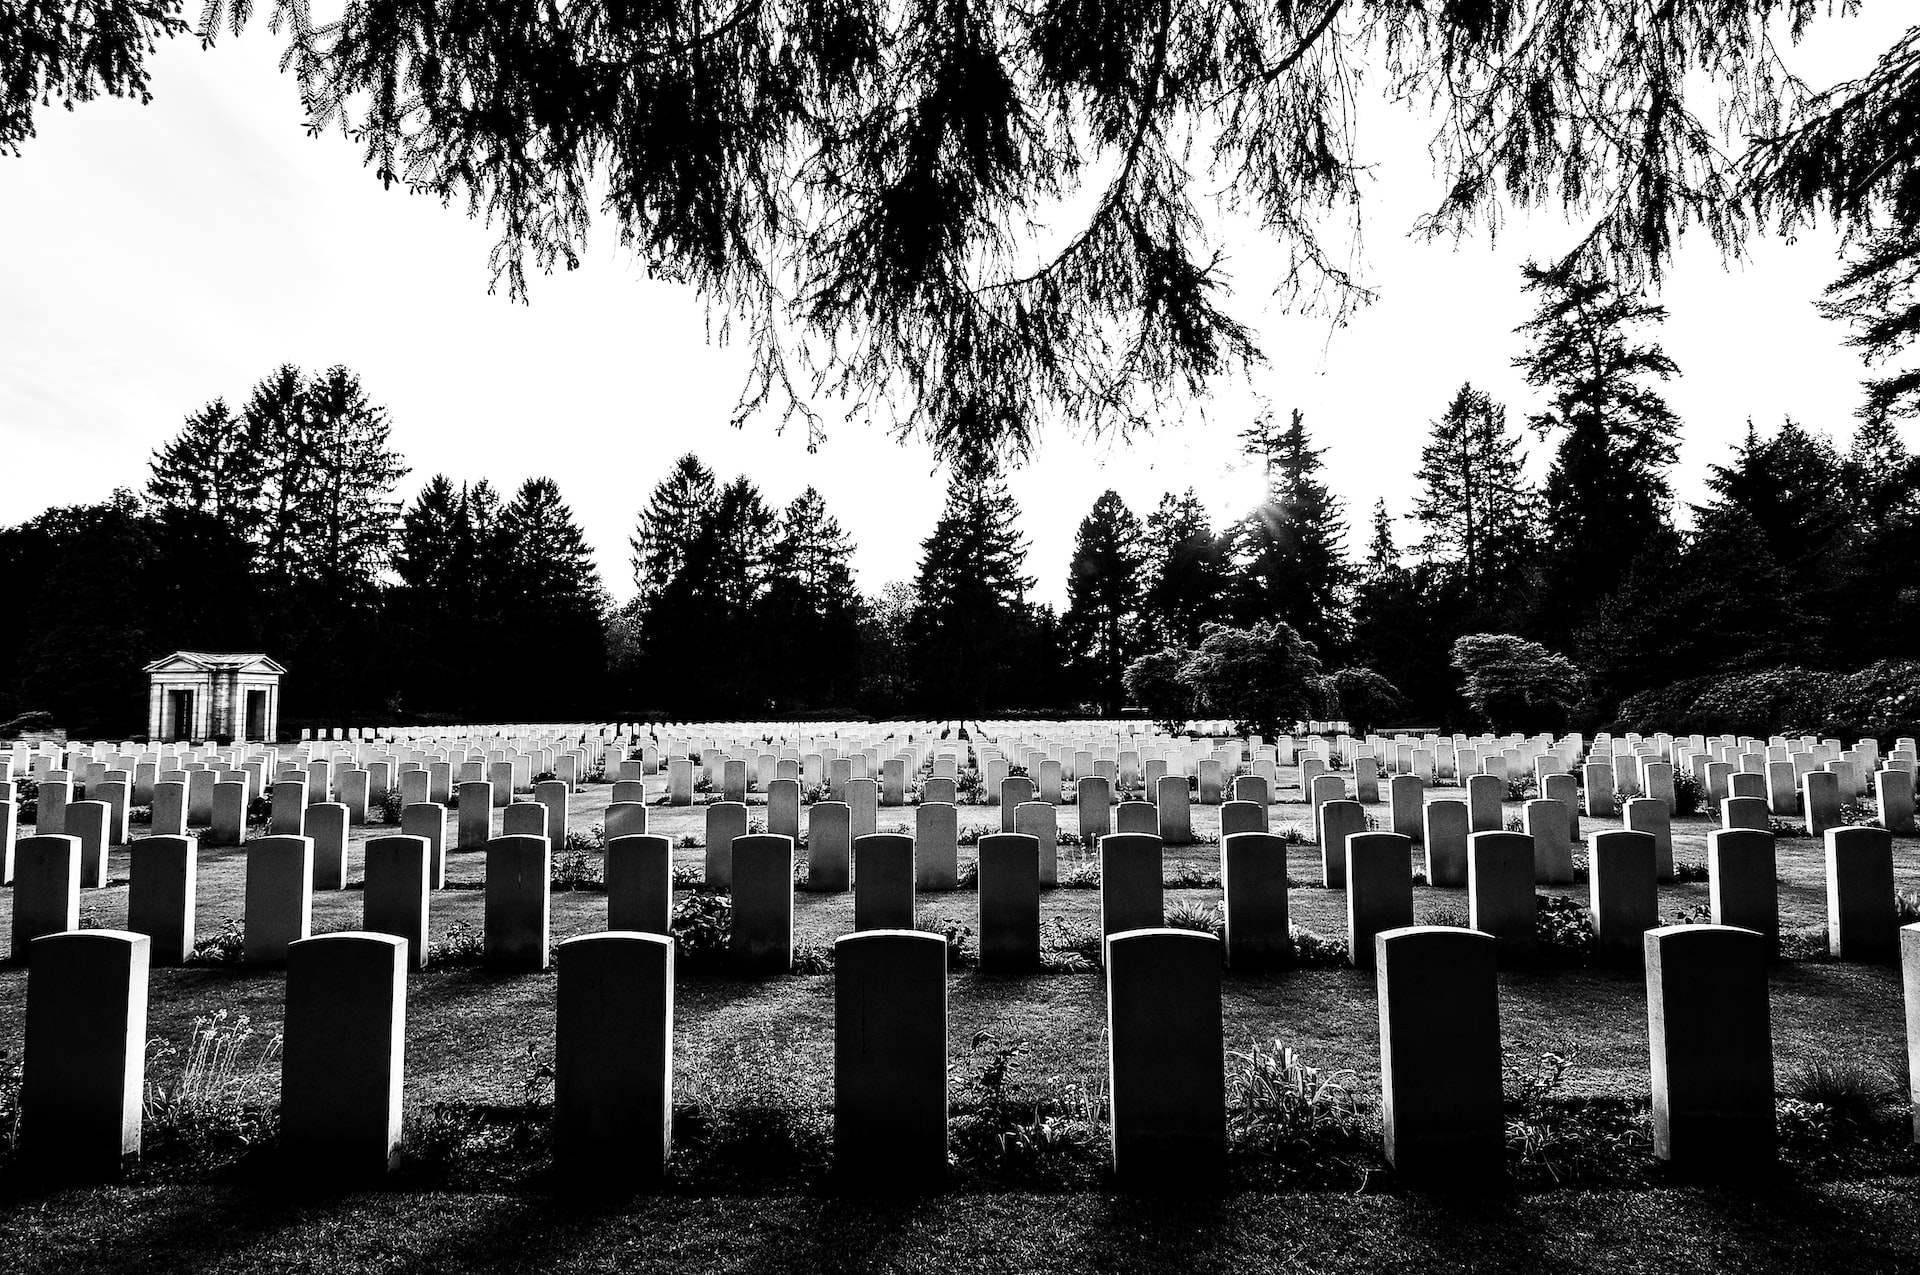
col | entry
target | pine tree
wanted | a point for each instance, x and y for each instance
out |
(968, 626)
(812, 607)
(1290, 558)
(743, 533)
(1104, 597)
(1188, 569)
(552, 600)
(1606, 494)
(206, 471)
(1878, 295)
(346, 509)
(675, 517)
(1476, 506)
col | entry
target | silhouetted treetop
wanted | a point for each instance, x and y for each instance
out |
(976, 217)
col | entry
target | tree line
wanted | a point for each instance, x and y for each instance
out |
(1493, 599)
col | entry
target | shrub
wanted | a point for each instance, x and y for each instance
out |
(1787, 828)
(1190, 876)
(221, 1105)
(575, 870)
(1689, 873)
(1053, 1136)
(702, 929)
(1083, 875)
(1443, 914)
(1183, 915)
(1294, 1121)
(813, 958)
(225, 946)
(10, 1083)
(1563, 931)
(459, 944)
(386, 803)
(958, 936)
(1313, 950)
(1906, 906)
(1864, 813)
(1687, 794)
(1068, 946)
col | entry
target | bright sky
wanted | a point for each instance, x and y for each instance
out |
(155, 257)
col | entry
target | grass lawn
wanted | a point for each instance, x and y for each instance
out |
(476, 1040)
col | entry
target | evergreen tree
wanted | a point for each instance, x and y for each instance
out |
(207, 471)
(1290, 559)
(676, 515)
(968, 625)
(346, 510)
(1188, 569)
(552, 604)
(1104, 597)
(743, 534)
(1878, 295)
(1403, 622)
(1475, 506)
(1606, 494)
(812, 606)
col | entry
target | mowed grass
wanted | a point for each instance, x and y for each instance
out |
(478, 1038)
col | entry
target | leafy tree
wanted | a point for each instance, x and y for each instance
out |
(1476, 506)
(1364, 698)
(1266, 678)
(1155, 684)
(968, 626)
(1290, 558)
(1103, 595)
(1188, 568)
(1515, 684)
(1606, 494)
(922, 268)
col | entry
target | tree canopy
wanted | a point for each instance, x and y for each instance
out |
(980, 217)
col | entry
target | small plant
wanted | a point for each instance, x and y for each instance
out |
(1563, 931)
(1314, 950)
(959, 937)
(1515, 823)
(10, 1083)
(221, 1099)
(1906, 906)
(1189, 876)
(1054, 1136)
(1787, 828)
(574, 870)
(1192, 916)
(813, 958)
(690, 842)
(225, 946)
(1083, 875)
(1443, 914)
(1864, 813)
(459, 944)
(1296, 1121)
(589, 840)
(702, 929)
(1687, 795)
(259, 812)
(689, 876)
(386, 803)
(1689, 873)
(1292, 834)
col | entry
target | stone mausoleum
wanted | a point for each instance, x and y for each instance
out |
(200, 695)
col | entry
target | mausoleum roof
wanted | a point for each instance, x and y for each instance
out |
(215, 661)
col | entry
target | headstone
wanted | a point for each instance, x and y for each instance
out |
(1009, 902)
(46, 889)
(552, 794)
(343, 1055)
(680, 782)
(398, 876)
(1338, 821)
(327, 829)
(518, 911)
(1175, 813)
(1484, 795)
(289, 817)
(863, 807)
(890, 1058)
(1742, 887)
(1242, 816)
(1624, 898)
(1379, 884)
(829, 846)
(1093, 798)
(783, 808)
(1893, 789)
(523, 819)
(163, 877)
(1546, 822)
(1910, 989)
(733, 780)
(727, 822)
(1446, 843)
(1166, 1085)
(1565, 789)
(1861, 922)
(1442, 1104)
(613, 1056)
(624, 819)
(169, 810)
(1650, 815)
(1500, 898)
(1598, 781)
(883, 882)
(279, 898)
(1036, 819)
(83, 1076)
(1711, 1039)
(1014, 790)
(429, 819)
(87, 820)
(1132, 895)
(762, 937)
(1821, 792)
(475, 816)
(1253, 879)
(1211, 782)
(1783, 791)
(936, 846)
(1405, 793)
(1137, 817)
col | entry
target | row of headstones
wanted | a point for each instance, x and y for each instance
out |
(1442, 1102)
